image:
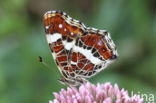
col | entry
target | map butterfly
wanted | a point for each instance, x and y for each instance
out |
(79, 51)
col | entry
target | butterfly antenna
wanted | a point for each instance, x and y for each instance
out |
(45, 64)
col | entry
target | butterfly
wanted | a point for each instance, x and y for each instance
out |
(79, 52)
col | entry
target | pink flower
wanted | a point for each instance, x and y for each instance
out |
(89, 93)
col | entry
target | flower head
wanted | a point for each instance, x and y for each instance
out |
(101, 93)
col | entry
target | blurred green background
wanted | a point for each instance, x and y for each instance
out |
(132, 25)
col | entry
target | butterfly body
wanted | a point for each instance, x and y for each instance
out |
(78, 51)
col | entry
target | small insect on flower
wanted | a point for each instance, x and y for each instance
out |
(79, 52)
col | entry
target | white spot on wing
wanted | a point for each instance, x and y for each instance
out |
(72, 33)
(103, 31)
(100, 43)
(53, 37)
(60, 25)
(68, 45)
(47, 27)
(53, 11)
(74, 63)
(87, 54)
(76, 21)
(64, 13)
(65, 29)
(49, 12)
(69, 17)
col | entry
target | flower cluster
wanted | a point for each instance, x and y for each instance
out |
(89, 93)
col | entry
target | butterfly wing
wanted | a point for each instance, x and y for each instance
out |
(79, 52)
(92, 52)
(61, 33)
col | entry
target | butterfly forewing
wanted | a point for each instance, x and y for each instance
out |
(61, 37)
